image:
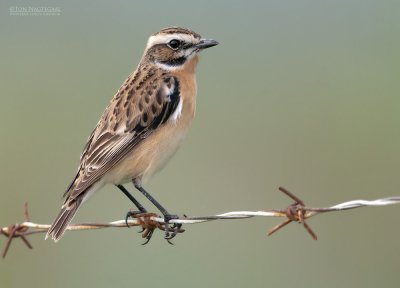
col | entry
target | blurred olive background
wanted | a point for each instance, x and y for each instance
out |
(303, 94)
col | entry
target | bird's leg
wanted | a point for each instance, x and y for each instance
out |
(167, 216)
(147, 232)
(134, 201)
(139, 206)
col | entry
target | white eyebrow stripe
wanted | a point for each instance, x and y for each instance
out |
(163, 39)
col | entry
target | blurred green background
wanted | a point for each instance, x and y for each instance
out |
(303, 94)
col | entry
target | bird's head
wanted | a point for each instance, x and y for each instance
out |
(171, 48)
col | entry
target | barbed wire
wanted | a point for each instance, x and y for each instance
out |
(296, 212)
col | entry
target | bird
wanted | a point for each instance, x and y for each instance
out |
(142, 126)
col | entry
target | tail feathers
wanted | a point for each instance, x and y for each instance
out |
(63, 219)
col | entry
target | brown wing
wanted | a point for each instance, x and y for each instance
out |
(130, 117)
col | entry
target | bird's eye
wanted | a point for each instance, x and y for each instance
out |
(174, 44)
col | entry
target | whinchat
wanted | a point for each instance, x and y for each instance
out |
(142, 126)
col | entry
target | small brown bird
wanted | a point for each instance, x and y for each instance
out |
(142, 126)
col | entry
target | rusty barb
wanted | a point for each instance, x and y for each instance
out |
(297, 212)
(149, 222)
(16, 231)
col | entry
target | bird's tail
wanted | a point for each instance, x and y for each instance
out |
(63, 219)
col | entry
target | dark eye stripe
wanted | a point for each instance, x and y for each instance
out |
(174, 62)
(187, 45)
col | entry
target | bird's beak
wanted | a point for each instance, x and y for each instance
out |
(206, 43)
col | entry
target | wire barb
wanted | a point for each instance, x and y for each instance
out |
(149, 222)
(296, 212)
(15, 231)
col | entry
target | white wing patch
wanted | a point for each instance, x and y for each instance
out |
(177, 113)
(178, 110)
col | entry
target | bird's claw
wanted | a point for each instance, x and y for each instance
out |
(171, 231)
(147, 234)
(133, 214)
(145, 222)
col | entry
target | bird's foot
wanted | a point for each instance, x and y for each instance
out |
(133, 214)
(148, 225)
(171, 230)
